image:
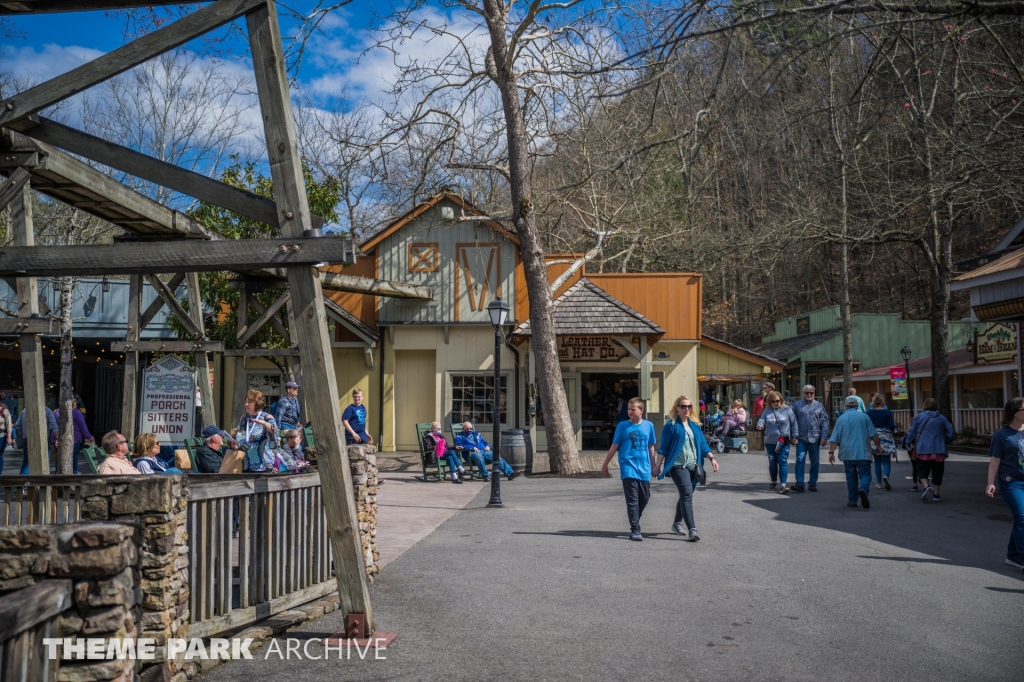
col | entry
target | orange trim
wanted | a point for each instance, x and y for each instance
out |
(422, 208)
(749, 357)
(462, 269)
(424, 256)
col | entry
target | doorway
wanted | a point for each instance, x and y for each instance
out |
(603, 402)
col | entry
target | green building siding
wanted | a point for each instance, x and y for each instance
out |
(877, 337)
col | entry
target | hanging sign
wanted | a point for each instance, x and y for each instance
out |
(898, 377)
(168, 401)
(998, 342)
(590, 349)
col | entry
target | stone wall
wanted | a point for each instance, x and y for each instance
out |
(157, 507)
(363, 459)
(103, 562)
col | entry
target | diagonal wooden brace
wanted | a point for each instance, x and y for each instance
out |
(267, 315)
(172, 303)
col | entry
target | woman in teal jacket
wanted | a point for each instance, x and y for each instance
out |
(682, 447)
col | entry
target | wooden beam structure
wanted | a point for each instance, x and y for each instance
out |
(142, 166)
(159, 346)
(318, 377)
(264, 317)
(173, 256)
(158, 302)
(12, 186)
(375, 287)
(195, 248)
(30, 325)
(195, 309)
(31, 346)
(123, 58)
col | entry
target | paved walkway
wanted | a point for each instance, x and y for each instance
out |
(792, 587)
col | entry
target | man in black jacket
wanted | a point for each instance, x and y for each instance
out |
(210, 456)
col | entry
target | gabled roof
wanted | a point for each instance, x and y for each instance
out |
(587, 309)
(353, 323)
(740, 352)
(998, 270)
(787, 349)
(422, 208)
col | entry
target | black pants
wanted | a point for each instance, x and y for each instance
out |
(637, 495)
(683, 478)
(930, 466)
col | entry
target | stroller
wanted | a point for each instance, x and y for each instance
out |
(736, 439)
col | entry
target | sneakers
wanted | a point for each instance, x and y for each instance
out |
(784, 490)
(1010, 562)
(772, 486)
(456, 479)
(636, 537)
(864, 501)
(878, 485)
(928, 494)
(936, 498)
(851, 504)
(513, 475)
(797, 488)
(678, 529)
(885, 482)
(914, 489)
(694, 536)
(813, 488)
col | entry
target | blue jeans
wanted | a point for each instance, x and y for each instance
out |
(1013, 495)
(453, 461)
(803, 449)
(481, 459)
(778, 461)
(883, 465)
(858, 477)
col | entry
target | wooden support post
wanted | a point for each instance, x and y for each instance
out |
(319, 380)
(295, 362)
(171, 301)
(266, 315)
(195, 309)
(129, 401)
(238, 403)
(12, 186)
(30, 344)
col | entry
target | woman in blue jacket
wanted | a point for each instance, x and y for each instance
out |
(930, 432)
(681, 448)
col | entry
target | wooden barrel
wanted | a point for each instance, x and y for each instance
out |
(529, 451)
(513, 449)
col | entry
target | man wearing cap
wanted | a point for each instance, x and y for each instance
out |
(852, 434)
(210, 456)
(287, 414)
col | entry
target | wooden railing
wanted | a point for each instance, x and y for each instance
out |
(903, 419)
(26, 618)
(258, 545)
(30, 500)
(984, 420)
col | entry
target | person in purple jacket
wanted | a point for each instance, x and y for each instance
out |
(81, 430)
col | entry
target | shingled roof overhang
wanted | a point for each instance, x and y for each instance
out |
(586, 309)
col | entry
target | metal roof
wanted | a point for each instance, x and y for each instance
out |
(787, 349)
(587, 309)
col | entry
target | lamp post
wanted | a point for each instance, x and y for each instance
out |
(498, 311)
(906, 353)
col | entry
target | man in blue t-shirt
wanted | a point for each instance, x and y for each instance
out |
(354, 419)
(634, 441)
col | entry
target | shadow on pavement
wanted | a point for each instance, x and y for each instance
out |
(607, 534)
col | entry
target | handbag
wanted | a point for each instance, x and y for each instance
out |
(702, 476)
(912, 450)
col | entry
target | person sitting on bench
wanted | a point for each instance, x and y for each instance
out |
(736, 418)
(434, 440)
(480, 451)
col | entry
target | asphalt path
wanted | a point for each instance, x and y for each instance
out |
(796, 587)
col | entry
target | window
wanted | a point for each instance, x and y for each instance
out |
(982, 397)
(424, 257)
(473, 399)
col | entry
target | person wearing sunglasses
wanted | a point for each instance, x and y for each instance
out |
(812, 422)
(682, 450)
(116, 462)
(780, 431)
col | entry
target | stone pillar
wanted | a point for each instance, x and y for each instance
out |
(101, 560)
(157, 507)
(363, 460)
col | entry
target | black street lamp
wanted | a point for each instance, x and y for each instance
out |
(498, 310)
(906, 353)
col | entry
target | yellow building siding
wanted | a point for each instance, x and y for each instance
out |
(415, 395)
(711, 361)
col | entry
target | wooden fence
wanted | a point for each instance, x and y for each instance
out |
(984, 420)
(26, 618)
(258, 544)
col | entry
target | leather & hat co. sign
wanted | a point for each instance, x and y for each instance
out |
(590, 349)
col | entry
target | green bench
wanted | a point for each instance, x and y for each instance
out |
(93, 457)
(443, 471)
(192, 445)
